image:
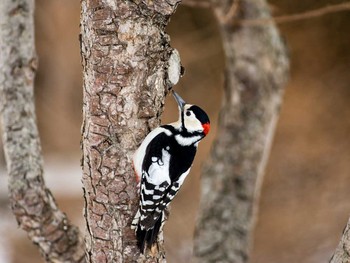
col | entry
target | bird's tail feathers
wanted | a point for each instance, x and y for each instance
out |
(148, 237)
(136, 220)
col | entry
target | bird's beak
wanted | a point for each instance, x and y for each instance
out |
(179, 100)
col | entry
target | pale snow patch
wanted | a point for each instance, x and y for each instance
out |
(8, 225)
(4, 255)
(62, 176)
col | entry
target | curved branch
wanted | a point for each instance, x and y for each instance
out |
(329, 9)
(197, 3)
(342, 253)
(32, 203)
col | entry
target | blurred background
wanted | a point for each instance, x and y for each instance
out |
(305, 197)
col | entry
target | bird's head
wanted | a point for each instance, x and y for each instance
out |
(192, 117)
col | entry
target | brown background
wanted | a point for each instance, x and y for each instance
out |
(305, 198)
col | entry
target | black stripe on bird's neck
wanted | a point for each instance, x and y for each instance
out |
(183, 131)
(183, 120)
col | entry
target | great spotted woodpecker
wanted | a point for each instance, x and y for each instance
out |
(162, 163)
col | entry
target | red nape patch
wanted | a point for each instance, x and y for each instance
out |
(206, 128)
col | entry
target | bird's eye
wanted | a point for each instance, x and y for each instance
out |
(188, 113)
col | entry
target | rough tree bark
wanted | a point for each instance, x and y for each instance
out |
(125, 56)
(342, 253)
(32, 203)
(256, 72)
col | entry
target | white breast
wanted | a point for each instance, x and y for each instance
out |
(141, 151)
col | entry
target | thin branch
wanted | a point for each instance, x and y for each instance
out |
(296, 17)
(228, 16)
(277, 19)
(197, 3)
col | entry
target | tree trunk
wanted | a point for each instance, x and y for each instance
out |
(256, 72)
(342, 253)
(125, 57)
(32, 203)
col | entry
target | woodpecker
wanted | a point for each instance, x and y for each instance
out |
(161, 163)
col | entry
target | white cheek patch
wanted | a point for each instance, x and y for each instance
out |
(192, 124)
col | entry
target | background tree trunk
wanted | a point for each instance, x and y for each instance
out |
(125, 55)
(342, 253)
(32, 203)
(256, 72)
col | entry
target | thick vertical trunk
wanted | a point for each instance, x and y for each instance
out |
(125, 56)
(32, 203)
(256, 72)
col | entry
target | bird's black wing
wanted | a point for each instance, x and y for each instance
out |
(155, 179)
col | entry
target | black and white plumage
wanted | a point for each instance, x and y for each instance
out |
(161, 164)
